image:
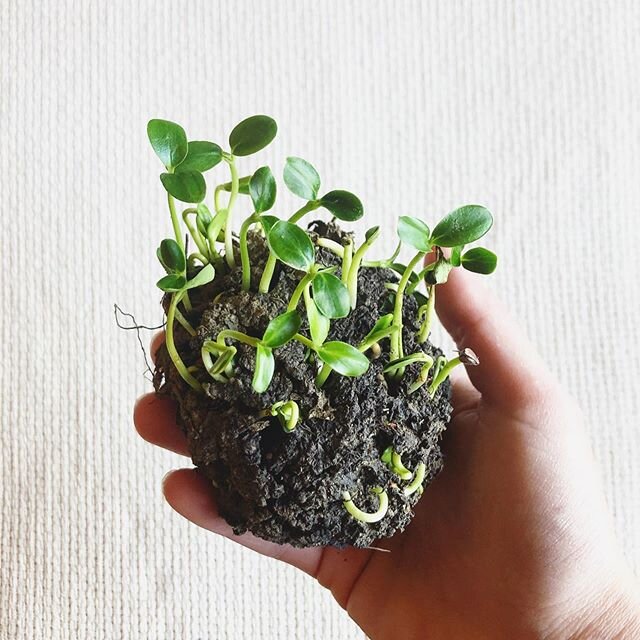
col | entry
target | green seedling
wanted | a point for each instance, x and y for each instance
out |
(363, 516)
(418, 479)
(444, 367)
(288, 413)
(393, 460)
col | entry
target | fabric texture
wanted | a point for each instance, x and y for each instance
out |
(530, 108)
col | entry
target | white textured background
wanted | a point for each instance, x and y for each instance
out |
(532, 108)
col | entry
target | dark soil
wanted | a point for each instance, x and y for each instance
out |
(287, 487)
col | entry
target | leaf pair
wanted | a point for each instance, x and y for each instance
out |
(172, 258)
(303, 180)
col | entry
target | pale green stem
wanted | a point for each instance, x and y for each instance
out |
(352, 278)
(346, 261)
(244, 251)
(214, 229)
(363, 516)
(305, 341)
(331, 245)
(443, 374)
(267, 274)
(416, 483)
(237, 335)
(310, 206)
(195, 232)
(175, 222)
(397, 350)
(171, 347)
(228, 239)
(185, 323)
(425, 327)
(399, 468)
(383, 263)
(186, 301)
(216, 198)
(196, 256)
(299, 290)
(422, 376)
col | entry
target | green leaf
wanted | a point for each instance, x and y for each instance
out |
(455, 255)
(204, 276)
(462, 226)
(439, 272)
(401, 268)
(268, 222)
(480, 260)
(172, 282)
(262, 188)
(252, 134)
(421, 299)
(171, 256)
(301, 178)
(243, 185)
(169, 141)
(201, 156)
(291, 245)
(331, 296)
(381, 323)
(281, 329)
(187, 186)
(343, 205)
(265, 366)
(414, 232)
(370, 235)
(319, 325)
(203, 218)
(344, 358)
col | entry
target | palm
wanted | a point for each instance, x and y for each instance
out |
(494, 531)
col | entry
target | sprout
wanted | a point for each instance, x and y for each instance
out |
(288, 413)
(352, 278)
(418, 479)
(393, 460)
(363, 516)
(466, 357)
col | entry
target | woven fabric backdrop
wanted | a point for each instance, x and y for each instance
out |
(532, 108)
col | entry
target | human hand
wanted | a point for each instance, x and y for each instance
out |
(512, 540)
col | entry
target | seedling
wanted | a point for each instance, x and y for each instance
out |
(322, 280)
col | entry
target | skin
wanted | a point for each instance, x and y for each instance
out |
(512, 540)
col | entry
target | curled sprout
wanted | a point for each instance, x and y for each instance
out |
(288, 413)
(416, 483)
(466, 356)
(363, 516)
(393, 460)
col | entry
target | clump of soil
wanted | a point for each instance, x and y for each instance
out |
(287, 487)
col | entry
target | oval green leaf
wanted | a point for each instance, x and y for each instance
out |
(168, 140)
(265, 366)
(480, 260)
(331, 296)
(462, 226)
(188, 186)
(281, 329)
(201, 156)
(291, 245)
(343, 205)
(171, 256)
(319, 324)
(171, 283)
(204, 276)
(252, 134)
(381, 323)
(262, 188)
(344, 358)
(268, 222)
(301, 178)
(414, 232)
(243, 185)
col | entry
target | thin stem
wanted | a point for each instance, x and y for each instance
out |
(310, 206)
(443, 374)
(237, 335)
(305, 341)
(216, 198)
(346, 261)
(383, 263)
(228, 239)
(331, 245)
(299, 290)
(171, 347)
(425, 327)
(399, 468)
(363, 516)
(174, 221)
(196, 256)
(186, 301)
(418, 479)
(213, 231)
(185, 323)
(195, 232)
(321, 378)
(352, 278)
(244, 251)
(267, 274)
(396, 339)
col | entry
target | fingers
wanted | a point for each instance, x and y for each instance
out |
(155, 419)
(191, 495)
(510, 373)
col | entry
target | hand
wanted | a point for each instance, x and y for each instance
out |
(512, 540)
